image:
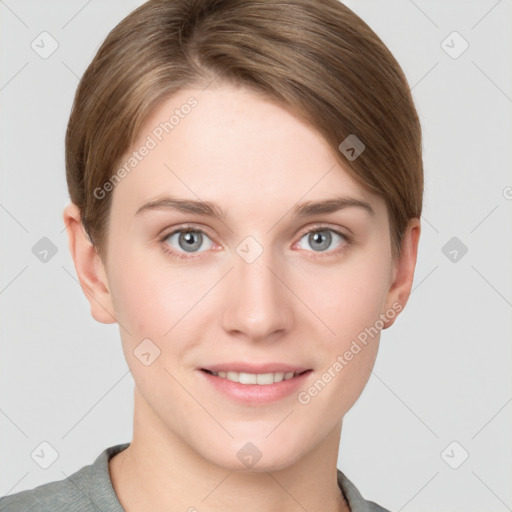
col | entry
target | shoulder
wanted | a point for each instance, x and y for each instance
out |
(88, 489)
(354, 498)
(69, 494)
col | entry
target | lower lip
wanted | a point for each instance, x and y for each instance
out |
(255, 394)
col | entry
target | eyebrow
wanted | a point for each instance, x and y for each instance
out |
(208, 209)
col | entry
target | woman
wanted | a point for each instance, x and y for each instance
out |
(246, 184)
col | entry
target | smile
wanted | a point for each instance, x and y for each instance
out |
(263, 379)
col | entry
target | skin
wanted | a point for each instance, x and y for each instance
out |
(293, 304)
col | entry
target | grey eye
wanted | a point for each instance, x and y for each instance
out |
(188, 240)
(321, 239)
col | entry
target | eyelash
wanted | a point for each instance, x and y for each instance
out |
(316, 228)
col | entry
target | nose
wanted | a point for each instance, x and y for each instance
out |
(258, 306)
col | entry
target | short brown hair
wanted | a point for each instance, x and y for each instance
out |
(316, 58)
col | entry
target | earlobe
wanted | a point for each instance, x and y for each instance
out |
(89, 267)
(403, 275)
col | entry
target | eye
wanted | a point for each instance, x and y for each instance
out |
(321, 238)
(185, 240)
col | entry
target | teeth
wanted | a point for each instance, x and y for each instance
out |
(253, 378)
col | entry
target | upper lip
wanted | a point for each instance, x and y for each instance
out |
(255, 368)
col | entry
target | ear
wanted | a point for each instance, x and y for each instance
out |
(403, 273)
(89, 267)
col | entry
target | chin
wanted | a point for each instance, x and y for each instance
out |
(243, 455)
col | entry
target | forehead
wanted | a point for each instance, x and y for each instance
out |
(233, 147)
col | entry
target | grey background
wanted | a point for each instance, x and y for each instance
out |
(443, 373)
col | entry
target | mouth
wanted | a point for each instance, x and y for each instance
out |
(255, 385)
(262, 379)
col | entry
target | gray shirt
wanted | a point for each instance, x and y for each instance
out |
(90, 490)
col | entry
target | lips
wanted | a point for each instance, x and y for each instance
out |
(241, 387)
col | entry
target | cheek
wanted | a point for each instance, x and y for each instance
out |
(350, 305)
(149, 297)
(350, 299)
(150, 301)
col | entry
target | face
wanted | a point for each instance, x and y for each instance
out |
(266, 282)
